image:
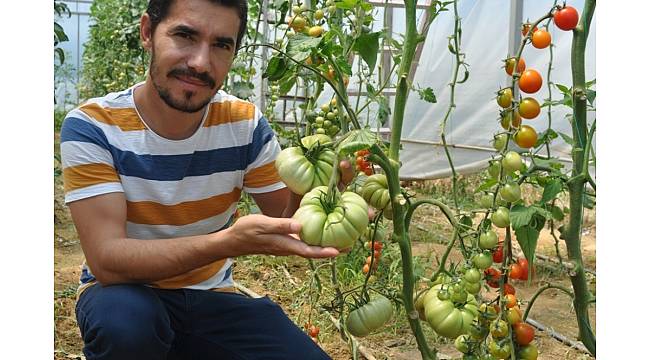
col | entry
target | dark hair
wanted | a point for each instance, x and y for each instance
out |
(158, 9)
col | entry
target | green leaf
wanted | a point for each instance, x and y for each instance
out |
(367, 45)
(565, 90)
(465, 223)
(300, 46)
(61, 54)
(287, 82)
(551, 190)
(370, 89)
(346, 4)
(568, 139)
(276, 68)
(557, 213)
(488, 184)
(356, 140)
(521, 216)
(428, 95)
(343, 65)
(591, 96)
(243, 89)
(527, 237)
(384, 109)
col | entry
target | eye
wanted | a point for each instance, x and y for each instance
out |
(222, 45)
(183, 35)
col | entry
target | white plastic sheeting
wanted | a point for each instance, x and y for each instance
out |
(485, 33)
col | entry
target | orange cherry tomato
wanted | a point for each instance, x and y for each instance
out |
(541, 39)
(530, 81)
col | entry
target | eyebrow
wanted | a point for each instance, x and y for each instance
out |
(188, 30)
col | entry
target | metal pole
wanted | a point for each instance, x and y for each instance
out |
(516, 14)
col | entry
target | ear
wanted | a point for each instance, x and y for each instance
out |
(145, 32)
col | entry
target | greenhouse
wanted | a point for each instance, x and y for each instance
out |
(404, 179)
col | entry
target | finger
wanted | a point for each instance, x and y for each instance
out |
(289, 245)
(371, 212)
(347, 173)
(281, 225)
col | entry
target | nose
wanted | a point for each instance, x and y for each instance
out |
(199, 58)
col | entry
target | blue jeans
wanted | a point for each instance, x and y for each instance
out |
(138, 322)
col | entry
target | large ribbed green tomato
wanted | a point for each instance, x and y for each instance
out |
(369, 317)
(375, 191)
(303, 172)
(445, 317)
(337, 225)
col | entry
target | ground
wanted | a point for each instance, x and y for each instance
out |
(283, 279)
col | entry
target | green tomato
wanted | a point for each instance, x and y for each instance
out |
(473, 288)
(444, 294)
(472, 275)
(327, 123)
(318, 14)
(488, 240)
(321, 131)
(302, 174)
(369, 317)
(325, 108)
(500, 142)
(499, 328)
(319, 120)
(375, 191)
(499, 351)
(528, 352)
(338, 225)
(512, 162)
(494, 169)
(486, 201)
(504, 98)
(461, 343)
(379, 234)
(459, 294)
(330, 116)
(482, 260)
(511, 192)
(501, 217)
(445, 318)
(477, 331)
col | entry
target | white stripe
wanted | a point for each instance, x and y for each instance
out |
(202, 227)
(75, 153)
(268, 153)
(265, 189)
(189, 188)
(93, 190)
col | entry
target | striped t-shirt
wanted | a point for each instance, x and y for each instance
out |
(173, 188)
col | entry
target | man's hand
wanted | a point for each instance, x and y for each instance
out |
(259, 234)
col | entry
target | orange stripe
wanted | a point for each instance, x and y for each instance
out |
(153, 213)
(191, 277)
(264, 175)
(81, 176)
(126, 119)
(230, 111)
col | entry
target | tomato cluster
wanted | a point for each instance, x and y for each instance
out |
(326, 120)
(374, 235)
(303, 16)
(362, 163)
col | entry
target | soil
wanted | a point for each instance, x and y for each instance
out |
(285, 280)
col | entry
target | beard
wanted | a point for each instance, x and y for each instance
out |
(188, 102)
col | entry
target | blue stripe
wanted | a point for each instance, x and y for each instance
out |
(75, 129)
(261, 136)
(171, 167)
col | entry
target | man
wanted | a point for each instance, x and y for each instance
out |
(153, 175)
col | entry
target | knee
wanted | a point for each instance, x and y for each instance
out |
(126, 327)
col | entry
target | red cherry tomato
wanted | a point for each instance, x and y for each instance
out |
(566, 18)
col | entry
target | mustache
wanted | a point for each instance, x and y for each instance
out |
(204, 77)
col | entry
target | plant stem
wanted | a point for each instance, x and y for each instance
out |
(540, 291)
(576, 188)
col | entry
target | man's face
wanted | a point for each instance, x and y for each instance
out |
(191, 52)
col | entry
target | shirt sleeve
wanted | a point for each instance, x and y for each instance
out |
(261, 175)
(88, 167)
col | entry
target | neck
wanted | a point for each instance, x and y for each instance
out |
(161, 118)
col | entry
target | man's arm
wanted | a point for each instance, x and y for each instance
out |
(114, 258)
